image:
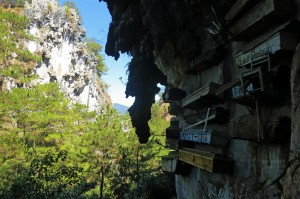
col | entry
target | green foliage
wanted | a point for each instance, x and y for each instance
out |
(95, 49)
(38, 125)
(155, 185)
(14, 3)
(15, 60)
(47, 177)
(71, 5)
(52, 148)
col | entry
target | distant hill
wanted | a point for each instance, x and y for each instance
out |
(120, 108)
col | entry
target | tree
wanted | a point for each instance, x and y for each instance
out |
(72, 5)
(15, 60)
(95, 49)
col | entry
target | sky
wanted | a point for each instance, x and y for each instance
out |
(96, 19)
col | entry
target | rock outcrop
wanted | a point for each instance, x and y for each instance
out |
(224, 55)
(58, 34)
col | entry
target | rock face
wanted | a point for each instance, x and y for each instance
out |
(58, 39)
(236, 55)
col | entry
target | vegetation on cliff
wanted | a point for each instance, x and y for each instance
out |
(53, 148)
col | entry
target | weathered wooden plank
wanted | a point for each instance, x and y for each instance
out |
(205, 96)
(207, 161)
(260, 16)
(279, 41)
(211, 137)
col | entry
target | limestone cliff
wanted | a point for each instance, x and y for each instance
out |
(58, 34)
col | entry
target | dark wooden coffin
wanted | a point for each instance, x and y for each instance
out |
(218, 115)
(175, 109)
(173, 132)
(173, 95)
(206, 60)
(203, 97)
(264, 14)
(211, 137)
(273, 44)
(238, 9)
(207, 161)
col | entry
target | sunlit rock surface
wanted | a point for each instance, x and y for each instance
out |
(58, 39)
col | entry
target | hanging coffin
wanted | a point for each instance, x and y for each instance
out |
(172, 164)
(209, 59)
(173, 132)
(262, 15)
(203, 97)
(175, 109)
(277, 43)
(217, 115)
(211, 137)
(173, 95)
(207, 161)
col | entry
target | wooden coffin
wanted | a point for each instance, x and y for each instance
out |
(207, 161)
(278, 42)
(172, 143)
(262, 15)
(173, 132)
(203, 97)
(218, 115)
(172, 164)
(211, 137)
(175, 109)
(174, 121)
(275, 129)
(173, 95)
(239, 8)
(206, 60)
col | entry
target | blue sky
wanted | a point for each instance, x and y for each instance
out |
(96, 19)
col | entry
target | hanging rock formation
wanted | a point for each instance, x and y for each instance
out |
(58, 37)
